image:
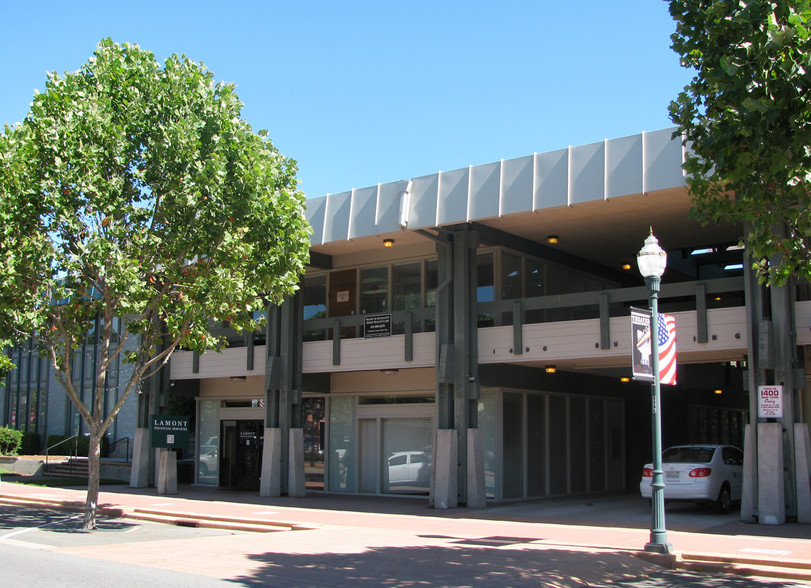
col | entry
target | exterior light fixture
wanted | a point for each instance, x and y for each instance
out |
(625, 379)
(652, 261)
(719, 391)
(551, 369)
(553, 239)
(388, 242)
(626, 266)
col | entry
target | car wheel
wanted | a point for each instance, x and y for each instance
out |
(203, 470)
(724, 500)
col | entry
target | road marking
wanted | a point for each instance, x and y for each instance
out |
(21, 531)
(163, 504)
(266, 512)
(768, 551)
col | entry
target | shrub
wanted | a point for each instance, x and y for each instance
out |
(10, 441)
(31, 443)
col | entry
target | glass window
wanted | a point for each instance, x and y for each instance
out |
(510, 276)
(431, 282)
(533, 286)
(208, 463)
(487, 425)
(314, 427)
(407, 291)
(407, 455)
(314, 294)
(536, 445)
(510, 282)
(578, 451)
(374, 290)
(513, 427)
(341, 444)
(485, 286)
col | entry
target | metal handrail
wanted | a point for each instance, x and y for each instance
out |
(75, 452)
(127, 454)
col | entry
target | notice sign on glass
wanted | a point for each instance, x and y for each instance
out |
(770, 402)
(376, 325)
(169, 431)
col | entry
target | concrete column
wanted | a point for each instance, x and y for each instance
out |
(139, 473)
(802, 458)
(167, 472)
(771, 482)
(476, 491)
(270, 482)
(457, 385)
(444, 486)
(296, 481)
(749, 491)
(283, 383)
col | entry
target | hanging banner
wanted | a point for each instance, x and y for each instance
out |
(641, 346)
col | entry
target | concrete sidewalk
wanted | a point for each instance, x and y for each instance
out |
(610, 524)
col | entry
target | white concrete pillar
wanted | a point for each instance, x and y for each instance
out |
(476, 492)
(771, 484)
(296, 479)
(749, 491)
(139, 472)
(270, 482)
(167, 472)
(444, 477)
(802, 468)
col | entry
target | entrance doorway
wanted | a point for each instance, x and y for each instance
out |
(241, 457)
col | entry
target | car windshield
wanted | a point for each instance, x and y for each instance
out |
(688, 454)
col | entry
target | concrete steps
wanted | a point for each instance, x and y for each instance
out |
(75, 467)
(742, 566)
(212, 522)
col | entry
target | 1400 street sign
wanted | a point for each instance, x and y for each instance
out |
(770, 402)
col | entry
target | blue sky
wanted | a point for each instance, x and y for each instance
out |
(361, 92)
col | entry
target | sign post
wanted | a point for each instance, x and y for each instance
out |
(168, 432)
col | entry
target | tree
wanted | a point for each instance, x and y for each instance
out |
(133, 197)
(746, 115)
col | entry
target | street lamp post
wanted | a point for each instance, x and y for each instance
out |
(652, 261)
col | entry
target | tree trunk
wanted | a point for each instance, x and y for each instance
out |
(94, 468)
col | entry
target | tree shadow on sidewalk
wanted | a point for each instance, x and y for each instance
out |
(491, 561)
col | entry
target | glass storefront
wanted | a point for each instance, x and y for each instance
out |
(341, 437)
(208, 463)
(538, 444)
(314, 426)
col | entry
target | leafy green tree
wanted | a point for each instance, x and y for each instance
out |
(135, 198)
(747, 117)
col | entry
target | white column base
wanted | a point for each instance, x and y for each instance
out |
(270, 482)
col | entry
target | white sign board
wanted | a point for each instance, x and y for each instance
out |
(770, 402)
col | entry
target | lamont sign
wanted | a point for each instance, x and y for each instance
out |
(169, 431)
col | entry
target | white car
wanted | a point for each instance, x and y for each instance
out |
(699, 473)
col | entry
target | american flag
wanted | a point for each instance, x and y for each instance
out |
(667, 349)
